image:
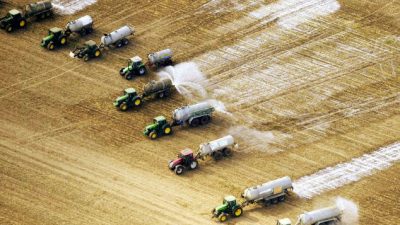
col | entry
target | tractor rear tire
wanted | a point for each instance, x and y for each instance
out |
(86, 58)
(128, 76)
(238, 211)
(167, 130)
(123, 106)
(50, 46)
(194, 123)
(153, 135)
(63, 40)
(227, 152)
(22, 23)
(223, 217)
(179, 169)
(194, 164)
(217, 155)
(97, 53)
(204, 120)
(137, 102)
(142, 71)
(9, 28)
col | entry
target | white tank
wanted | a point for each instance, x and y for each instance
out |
(77, 25)
(216, 145)
(160, 56)
(313, 217)
(267, 189)
(117, 35)
(186, 112)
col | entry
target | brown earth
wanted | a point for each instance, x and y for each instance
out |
(69, 157)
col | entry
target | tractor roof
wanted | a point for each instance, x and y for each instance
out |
(14, 12)
(136, 59)
(230, 198)
(90, 43)
(285, 221)
(187, 151)
(159, 118)
(130, 90)
(56, 29)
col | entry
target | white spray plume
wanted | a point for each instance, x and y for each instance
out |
(72, 6)
(187, 78)
(255, 140)
(219, 106)
(349, 209)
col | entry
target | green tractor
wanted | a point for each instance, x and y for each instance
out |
(229, 207)
(88, 51)
(56, 37)
(159, 127)
(135, 67)
(13, 20)
(129, 100)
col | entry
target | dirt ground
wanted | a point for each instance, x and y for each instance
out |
(326, 91)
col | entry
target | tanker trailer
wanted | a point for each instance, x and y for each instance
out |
(83, 26)
(271, 192)
(217, 149)
(40, 10)
(160, 59)
(330, 215)
(161, 88)
(117, 38)
(194, 115)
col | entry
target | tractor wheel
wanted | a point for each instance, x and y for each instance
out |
(86, 58)
(123, 106)
(97, 53)
(179, 169)
(167, 130)
(9, 28)
(217, 155)
(121, 72)
(238, 211)
(222, 217)
(63, 40)
(142, 71)
(128, 76)
(22, 23)
(194, 122)
(194, 164)
(204, 120)
(50, 46)
(137, 102)
(153, 135)
(227, 152)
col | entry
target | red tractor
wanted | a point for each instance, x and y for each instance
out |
(186, 160)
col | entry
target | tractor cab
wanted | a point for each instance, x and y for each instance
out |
(229, 201)
(186, 155)
(91, 45)
(130, 93)
(135, 61)
(55, 31)
(14, 13)
(284, 221)
(160, 120)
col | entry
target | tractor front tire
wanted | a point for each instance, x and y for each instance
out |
(128, 76)
(223, 217)
(86, 58)
(121, 72)
(123, 106)
(153, 135)
(179, 169)
(50, 46)
(238, 211)
(9, 28)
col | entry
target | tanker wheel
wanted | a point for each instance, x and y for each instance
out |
(63, 41)
(123, 106)
(153, 135)
(204, 120)
(161, 95)
(48, 14)
(178, 169)
(227, 152)
(167, 130)
(142, 71)
(128, 76)
(217, 155)
(42, 16)
(22, 23)
(274, 201)
(222, 217)
(125, 41)
(119, 44)
(97, 53)
(137, 102)
(83, 32)
(238, 212)
(194, 122)
(51, 46)
(281, 199)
